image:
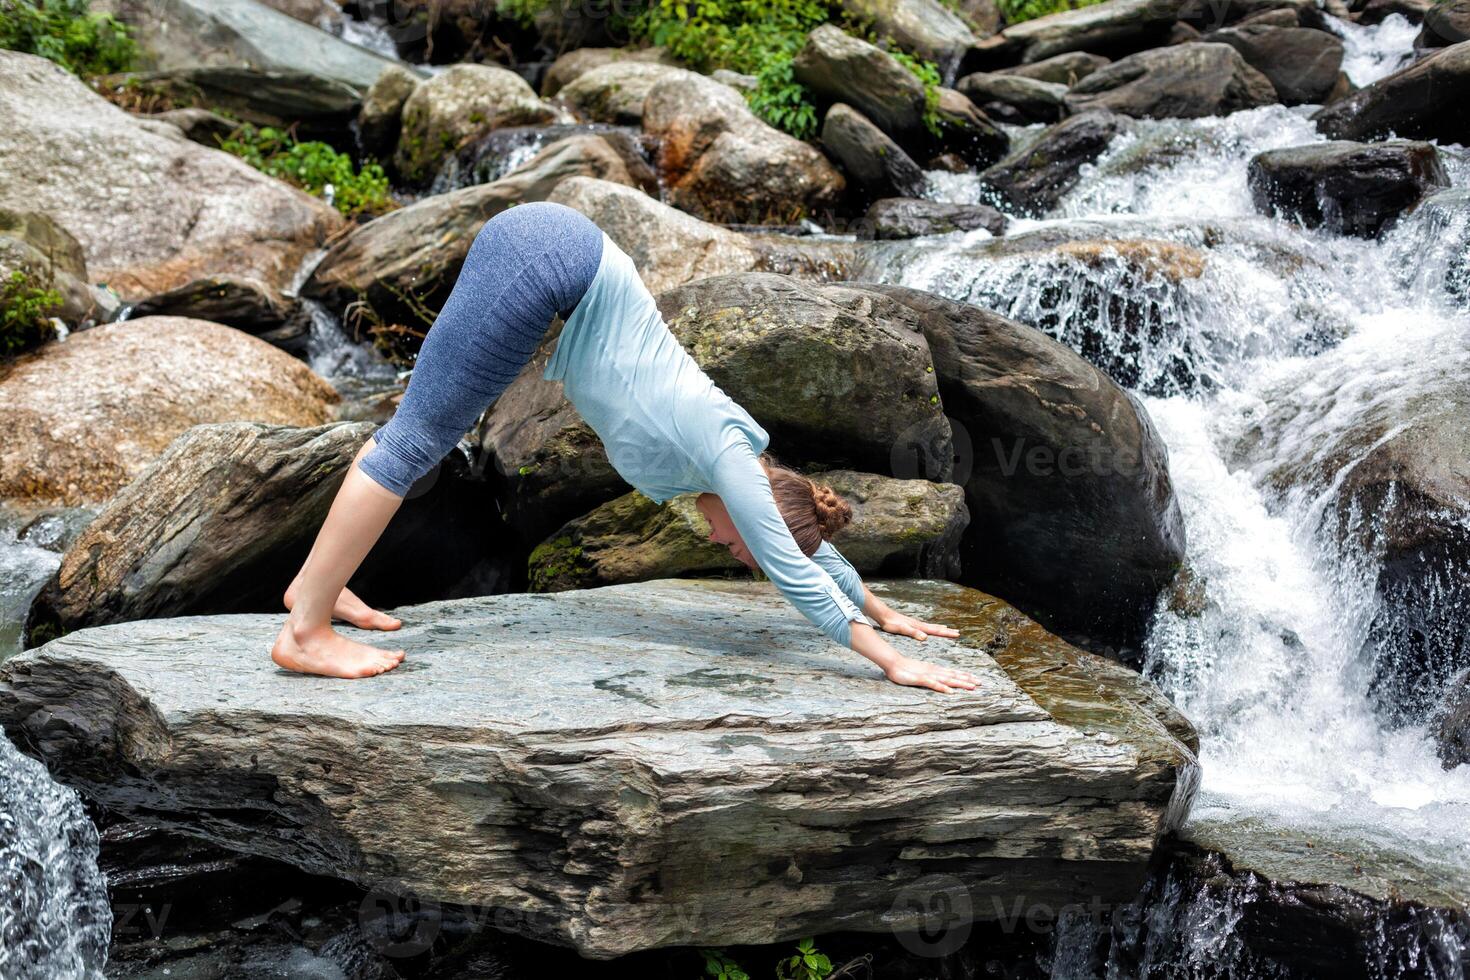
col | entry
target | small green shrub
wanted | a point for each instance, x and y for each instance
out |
(1015, 11)
(25, 311)
(928, 73)
(313, 167)
(67, 33)
(721, 967)
(807, 964)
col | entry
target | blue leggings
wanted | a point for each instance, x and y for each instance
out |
(528, 264)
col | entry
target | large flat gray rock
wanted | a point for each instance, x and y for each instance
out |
(669, 762)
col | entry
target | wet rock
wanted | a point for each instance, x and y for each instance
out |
(50, 258)
(904, 217)
(417, 251)
(318, 107)
(671, 247)
(875, 165)
(224, 517)
(1426, 100)
(80, 429)
(151, 209)
(1112, 28)
(1376, 11)
(1185, 81)
(459, 104)
(1452, 726)
(1304, 65)
(1446, 22)
(964, 130)
(244, 34)
(381, 115)
(1350, 188)
(1014, 98)
(722, 163)
(1073, 513)
(243, 303)
(501, 152)
(483, 743)
(900, 528)
(614, 92)
(1063, 69)
(926, 28)
(572, 65)
(1033, 179)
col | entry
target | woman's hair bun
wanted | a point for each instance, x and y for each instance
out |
(833, 513)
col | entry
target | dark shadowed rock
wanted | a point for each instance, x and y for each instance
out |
(903, 217)
(201, 126)
(900, 528)
(1033, 179)
(1072, 510)
(236, 301)
(875, 165)
(1112, 28)
(1452, 727)
(1063, 69)
(1430, 99)
(1376, 11)
(601, 783)
(1446, 22)
(1015, 98)
(1185, 81)
(1302, 64)
(381, 115)
(1350, 188)
(221, 521)
(964, 130)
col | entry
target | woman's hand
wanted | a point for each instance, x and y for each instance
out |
(916, 673)
(896, 622)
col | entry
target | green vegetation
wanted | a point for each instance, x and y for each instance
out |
(928, 73)
(805, 964)
(1015, 11)
(25, 311)
(314, 167)
(67, 33)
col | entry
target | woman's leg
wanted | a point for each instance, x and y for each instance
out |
(526, 264)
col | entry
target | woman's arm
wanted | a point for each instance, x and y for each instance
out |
(889, 620)
(745, 490)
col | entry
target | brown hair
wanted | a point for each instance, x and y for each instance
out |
(813, 511)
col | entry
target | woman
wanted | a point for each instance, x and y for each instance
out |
(666, 427)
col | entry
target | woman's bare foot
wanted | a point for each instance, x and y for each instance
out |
(351, 609)
(326, 653)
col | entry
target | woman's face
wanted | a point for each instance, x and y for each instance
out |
(722, 529)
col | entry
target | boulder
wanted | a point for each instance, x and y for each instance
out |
(1429, 99)
(1452, 724)
(319, 108)
(202, 126)
(719, 161)
(570, 66)
(926, 28)
(418, 250)
(1111, 28)
(1072, 511)
(222, 520)
(1033, 179)
(1015, 98)
(235, 301)
(866, 394)
(875, 165)
(634, 778)
(1446, 22)
(79, 429)
(381, 115)
(1185, 81)
(900, 528)
(459, 104)
(245, 34)
(614, 92)
(671, 247)
(1377, 11)
(1345, 187)
(838, 67)
(1062, 69)
(151, 209)
(50, 258)
(1304, 65)
(905, 217)
(964, 130)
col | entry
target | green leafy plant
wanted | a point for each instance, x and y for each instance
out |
(721, 967)
(926, 72)
(66, 32)
(25, 311)
(1015, 11)
(315, 167)
(806, 964)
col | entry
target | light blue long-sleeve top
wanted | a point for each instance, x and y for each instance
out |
(668, 429)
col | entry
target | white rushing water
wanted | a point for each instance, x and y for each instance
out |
(1306, 336)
